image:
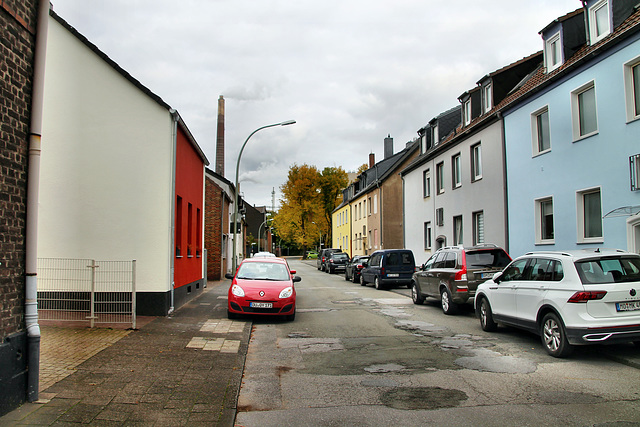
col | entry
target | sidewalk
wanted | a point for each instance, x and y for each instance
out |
(185, 369)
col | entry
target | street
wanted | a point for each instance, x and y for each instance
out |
(359, 356)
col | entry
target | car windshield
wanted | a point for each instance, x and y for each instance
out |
(609, 270)
(263, 271)
(487, 258)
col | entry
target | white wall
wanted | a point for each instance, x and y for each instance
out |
(107, 156)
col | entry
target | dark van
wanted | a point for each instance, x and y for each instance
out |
(389, 267)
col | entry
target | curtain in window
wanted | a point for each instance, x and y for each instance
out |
(457, 230)
(592, 215)
(479, 226)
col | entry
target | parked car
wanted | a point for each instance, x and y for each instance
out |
(568, 298)
(312, 255)
(388, 267)
(453, 273)
(263, 286)
(353, 268)
(321, 263)
(337, 261)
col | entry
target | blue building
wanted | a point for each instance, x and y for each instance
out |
(572, 136)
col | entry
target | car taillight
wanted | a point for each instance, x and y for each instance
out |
(584, 296)
(382, 271)
(462, 274)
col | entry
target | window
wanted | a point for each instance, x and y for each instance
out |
(178, 226)
(486, 99)
(466, 108)
(632, 88)
(456, 172)
(440, 216)
(440, 177)
(457, 230)
(541, 138)
(478, 227)
(599, 26)
(476, 162)
(434, 135)
(426, 183)
(375, 203)
(553, 52)
(589, 207)
(369, 205)
(427, 235)
(189, 229)
(198, 233)
(544, 221)
(583, 110)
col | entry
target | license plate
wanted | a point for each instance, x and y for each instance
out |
(487, 275)
(628, 306)
(261, 305)
(393, 275)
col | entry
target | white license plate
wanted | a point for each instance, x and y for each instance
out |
(393, 275)
(628, 306)
(261, 305)
(487, 275)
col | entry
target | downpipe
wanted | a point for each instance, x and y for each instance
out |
(33, 188)
(174, 141)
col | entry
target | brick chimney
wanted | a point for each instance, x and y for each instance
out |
(372, 159)
(220, 138)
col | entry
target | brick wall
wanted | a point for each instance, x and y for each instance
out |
(17, 43)
(213, 208)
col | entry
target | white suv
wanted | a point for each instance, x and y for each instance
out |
(568, 298)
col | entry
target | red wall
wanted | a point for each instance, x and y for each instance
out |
(188, 235)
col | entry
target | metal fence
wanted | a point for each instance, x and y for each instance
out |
(97, 292)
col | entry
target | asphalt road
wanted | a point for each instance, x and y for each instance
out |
(361, 357)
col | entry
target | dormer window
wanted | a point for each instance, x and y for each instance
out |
(434, 134)
(486, 98)
(599, 24)
(466, 111)
(553, 52)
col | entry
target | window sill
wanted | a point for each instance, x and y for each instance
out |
(545, 242)
(541, 153)
(476, 179)
(583, 137)
(590, 241)
(178, 256)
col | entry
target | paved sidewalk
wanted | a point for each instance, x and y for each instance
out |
(185, 369)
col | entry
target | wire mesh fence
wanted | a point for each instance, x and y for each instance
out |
(97, 292)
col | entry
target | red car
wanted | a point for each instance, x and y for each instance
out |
(263, 286)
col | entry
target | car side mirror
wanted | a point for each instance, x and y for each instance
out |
(296, 279)
(497, 278)
(229, 276)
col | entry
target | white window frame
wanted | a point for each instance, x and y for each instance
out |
(535, 135)
(427, 235)
(575, 110)
(466, 108)
(487, 100)
(581, 216)
(426, 183)
(434, 135)
(478, 227)
(456, 171)
(593, 23)
(476, 162)
(630, 93)
(440, 178)
(553, 42)
(458, 235)
(539, 203)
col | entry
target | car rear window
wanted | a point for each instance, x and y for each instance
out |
(340, 256)
(400, 258)
(487, 259)
(609, 270)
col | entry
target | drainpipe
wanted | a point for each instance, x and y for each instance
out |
(33, 179)
(505, 182)
(174, 141)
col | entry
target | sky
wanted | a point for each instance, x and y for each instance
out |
(349, 72)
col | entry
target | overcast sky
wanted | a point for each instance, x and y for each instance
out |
(350, 72)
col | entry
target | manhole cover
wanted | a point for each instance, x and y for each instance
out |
(422, 398)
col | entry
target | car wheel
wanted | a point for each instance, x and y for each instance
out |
(355, 278)
(377, 284)
(486, 317)
(415, 295)
(448, 306)
(231, 315)
(346, 275)
(291, 317)
(554, 337)
(330, 271)
(362, 281)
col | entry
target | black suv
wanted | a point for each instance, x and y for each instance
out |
(453, 273)
(388, 267)
(337, 261)
(321, 262)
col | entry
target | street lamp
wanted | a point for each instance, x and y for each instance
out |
(259, 230)
(235, 207)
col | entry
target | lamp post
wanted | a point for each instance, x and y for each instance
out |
(235, 203)
(259, 232)
(320, 233)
